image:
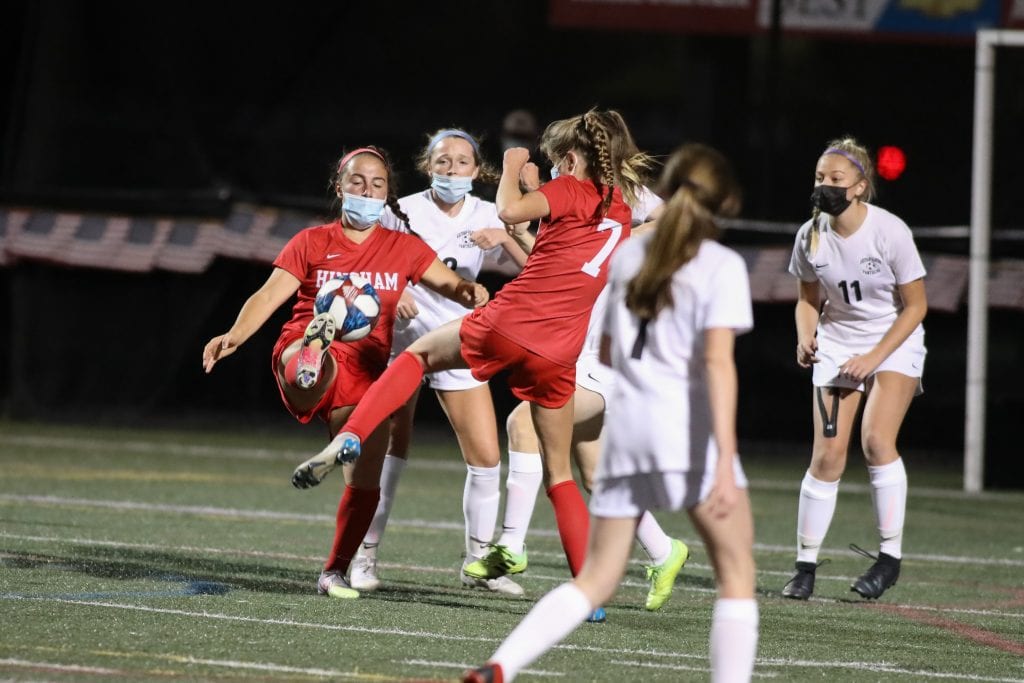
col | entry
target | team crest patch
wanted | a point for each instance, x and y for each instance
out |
(869, 265)
(463, 239)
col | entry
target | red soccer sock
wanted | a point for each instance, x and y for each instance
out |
(573, 521)
(386, 395)
(355, 512)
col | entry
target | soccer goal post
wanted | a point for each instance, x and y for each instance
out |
(981, 233)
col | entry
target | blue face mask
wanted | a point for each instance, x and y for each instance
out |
(361, 212)
(450, 189)
(554, 171)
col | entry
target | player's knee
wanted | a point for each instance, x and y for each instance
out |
(587, 479)
(877, 445)
(519, 427)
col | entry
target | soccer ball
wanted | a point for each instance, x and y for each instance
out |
(354, 304)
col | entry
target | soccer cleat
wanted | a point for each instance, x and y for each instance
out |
(801, 585)
(663, 576)
(363, 575)
(339, 450)
(488, 673)
(500, 584)
(334, 585)
(879, 577)
(498, 561)
(598, 616)
(319, 335)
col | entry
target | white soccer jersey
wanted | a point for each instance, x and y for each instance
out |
(659, 419)
(860, 275)
(647, 202)
(449, 237)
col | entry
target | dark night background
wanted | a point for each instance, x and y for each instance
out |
(181, 110)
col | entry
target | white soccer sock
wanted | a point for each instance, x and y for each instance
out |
(889, 494)
(733, 639)
(480, 506)
(554, 617)
(525, 473)
(389, 476)
(814, 516)
(653, 539)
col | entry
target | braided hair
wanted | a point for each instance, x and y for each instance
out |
(604, 141)
(700, 184)
(340, 169)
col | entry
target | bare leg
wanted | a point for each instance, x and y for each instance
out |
(820, 485)
(734, 628)
(559, 612)
(889, 397)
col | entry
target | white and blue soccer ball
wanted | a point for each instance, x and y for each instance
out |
(353, 302)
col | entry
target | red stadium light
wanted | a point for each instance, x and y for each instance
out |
(891, 162)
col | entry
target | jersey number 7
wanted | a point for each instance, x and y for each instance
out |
(593, 266)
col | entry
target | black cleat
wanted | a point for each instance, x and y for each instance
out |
(879, 577)
(801, 585)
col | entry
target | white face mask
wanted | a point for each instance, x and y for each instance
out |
(450, 189)
(361, 212)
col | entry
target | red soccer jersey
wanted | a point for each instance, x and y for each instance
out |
(387, 259)
(545, 309)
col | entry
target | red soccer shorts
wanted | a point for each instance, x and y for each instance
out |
(532, 378)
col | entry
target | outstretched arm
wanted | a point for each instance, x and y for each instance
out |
(256, 310)
(447, 283)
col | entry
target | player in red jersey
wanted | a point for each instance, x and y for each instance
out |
(318, 376)
(536, 325)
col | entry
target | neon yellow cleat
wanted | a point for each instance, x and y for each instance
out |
(498, 561)
(334, 585)
(663, 576)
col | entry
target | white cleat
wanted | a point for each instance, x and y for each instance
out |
(364, 573)
(501, 584)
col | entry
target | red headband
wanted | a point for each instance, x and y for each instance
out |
(362, 150)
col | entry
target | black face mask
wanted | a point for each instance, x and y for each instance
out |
(831, 199)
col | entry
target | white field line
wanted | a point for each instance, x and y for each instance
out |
(281, 668)
(454, 465)
(534, 576)
(227, 664)
(679, 667)
(67, 668)
(211, 511)
(434, 636)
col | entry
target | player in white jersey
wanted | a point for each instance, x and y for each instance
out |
(465, 231)
(865, 343)
(594, 384)
(677, 300)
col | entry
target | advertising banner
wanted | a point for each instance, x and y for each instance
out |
(876, 19)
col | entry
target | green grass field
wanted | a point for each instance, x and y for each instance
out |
(159, 555)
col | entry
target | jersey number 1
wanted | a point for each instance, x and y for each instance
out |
(855, 286)
(593, 266)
